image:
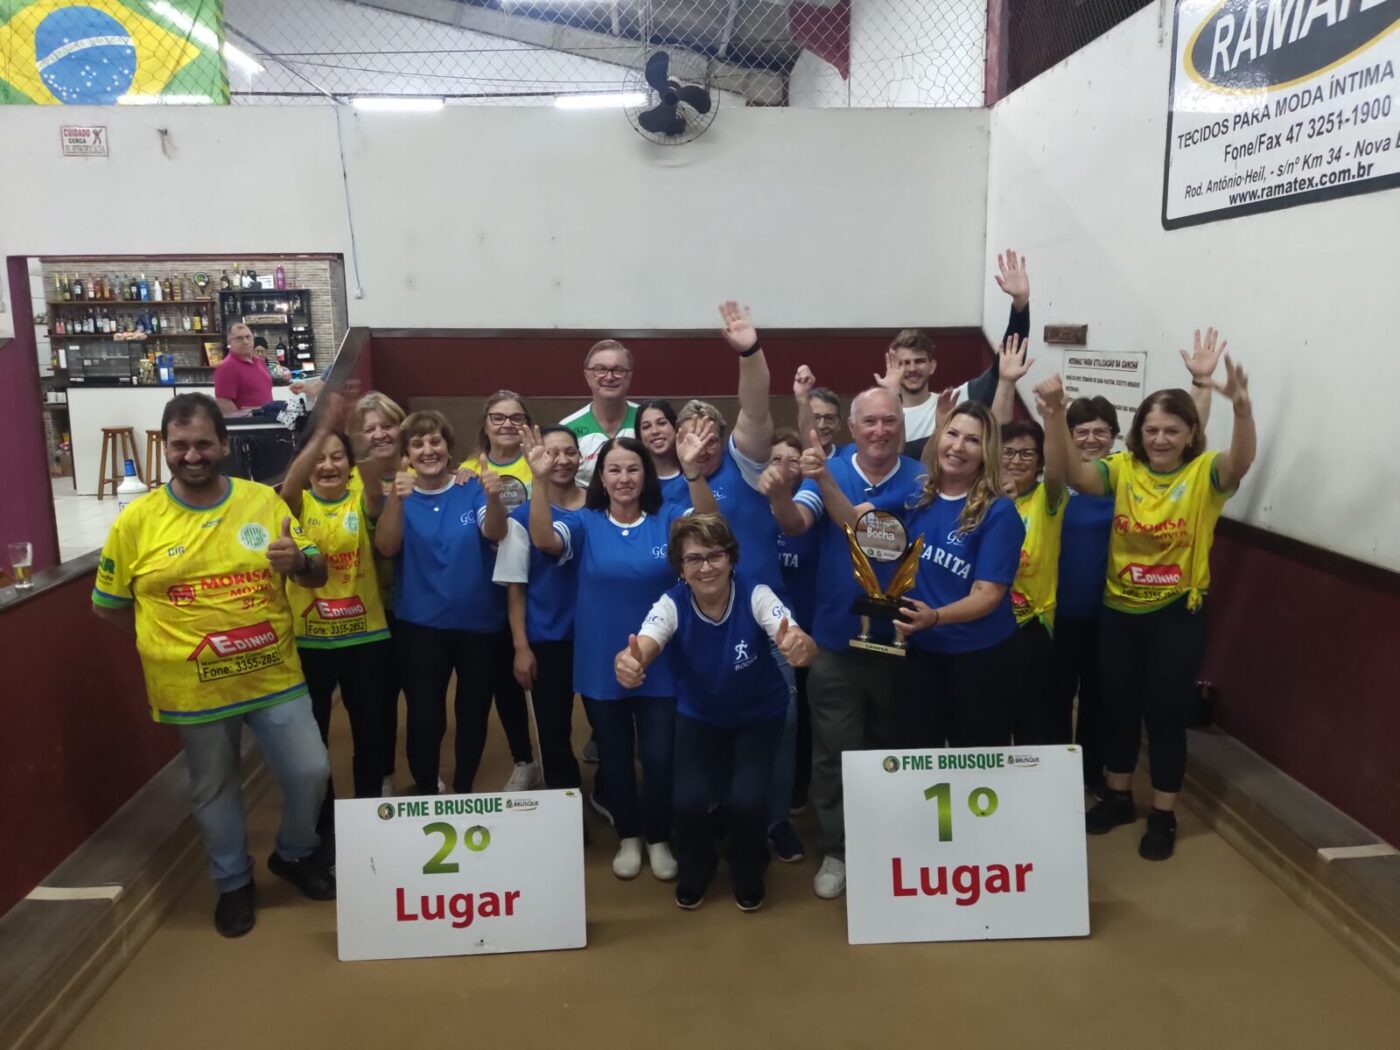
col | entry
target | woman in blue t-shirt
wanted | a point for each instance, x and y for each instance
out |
(959, 682)
(656, 429)
(731, 700)
(442, 538)
(619, 539)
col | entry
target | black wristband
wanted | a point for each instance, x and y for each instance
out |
(1197, 382)
(751, 350)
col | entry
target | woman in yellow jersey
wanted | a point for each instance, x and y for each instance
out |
(342, 635)
(1041, 506)
(503, 421)
(1168, 494)
(375, 426)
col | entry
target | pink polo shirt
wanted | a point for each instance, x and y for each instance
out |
(245, 383)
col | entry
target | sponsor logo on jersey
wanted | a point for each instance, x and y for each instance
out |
(1151, 575)
(242, 650)
(253, 537)
(181, 594)
(335, 617)
(352, 522)
(742, 657)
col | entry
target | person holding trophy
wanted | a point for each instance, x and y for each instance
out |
(958, 684)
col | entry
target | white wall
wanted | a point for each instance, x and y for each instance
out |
(1307, 296)
(533, 217)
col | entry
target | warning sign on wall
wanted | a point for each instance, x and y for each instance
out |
(83, 140)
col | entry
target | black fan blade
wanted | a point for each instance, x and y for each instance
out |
(660, 120)
(658, 66)
(697, 98)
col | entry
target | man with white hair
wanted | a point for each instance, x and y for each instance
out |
(850, 690)
(608, 369)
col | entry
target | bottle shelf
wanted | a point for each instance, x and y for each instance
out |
(152, 337)
(131, 302)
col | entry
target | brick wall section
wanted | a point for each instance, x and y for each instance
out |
(323, 276)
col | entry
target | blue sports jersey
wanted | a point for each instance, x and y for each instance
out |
(1084, 555)
(798, 557)
(725, 671)
(750, 516)
(952, 562)
(621, 571)
(551, 593)
(442, 576)
(833, 623)
(676, 490)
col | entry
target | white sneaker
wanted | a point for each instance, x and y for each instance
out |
(386, 787)
(830, 882)
(663, 865)
(442, 788)
(523, 777)
(628, 862)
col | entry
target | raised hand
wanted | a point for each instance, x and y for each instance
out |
(1050, 396)
(283, 554)
(795, 644)
(1013, 279)
(894, 374)
(403, 480)
(1204, 355)
(739, 331)
(629, 665)
(1235, 387)
(696, 433)
(491, 482)
(915, 616)
(813, 461)
(803, 381)
(1012, 362)
(775, 478)
(947, 401)
(536, 454)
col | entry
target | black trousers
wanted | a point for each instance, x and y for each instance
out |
(802, 771)
(1150, 662)
(957, 699)
(510, 699)
(1074, 671)
(395, 687)
(1033, 694)
(363, 674)
(430, 655)
(552, 700)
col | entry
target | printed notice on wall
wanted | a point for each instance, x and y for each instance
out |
(1119, 376)
(83, 140)
(1275, 103)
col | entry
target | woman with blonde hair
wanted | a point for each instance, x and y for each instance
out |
(958, 683)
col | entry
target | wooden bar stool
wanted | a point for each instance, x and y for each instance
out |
(155, 459)
(120, 442)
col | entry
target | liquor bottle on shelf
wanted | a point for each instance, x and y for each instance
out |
(176, 291)
(155, 320)
(57, 327)
(58, 287)
(186, 323)
(144, 289)
(224, 283)
(133, 291)
(279, 279)
(157, 293)
(77, 289)
(281, 351)
(198, 321)
(96, 289)
(168, 289)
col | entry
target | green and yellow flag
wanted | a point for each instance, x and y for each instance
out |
(95, 52)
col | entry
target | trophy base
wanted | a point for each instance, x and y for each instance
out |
(865, 607)
(877, 647)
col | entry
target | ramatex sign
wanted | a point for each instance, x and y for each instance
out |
(1275, 103)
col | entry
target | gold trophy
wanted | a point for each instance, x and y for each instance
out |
(881, 536)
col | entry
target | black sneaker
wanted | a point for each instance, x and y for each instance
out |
(1097, 788)
(1115, 809)
(234, 914)
(783, 840)
(307, 875)
(689, 898)
(1159, 840)
(748, 900)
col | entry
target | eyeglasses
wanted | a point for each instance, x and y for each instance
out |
(712, 560)
(598, 371)
(822, 417)
(500, 419)
(1092, 434)
(1025, 455)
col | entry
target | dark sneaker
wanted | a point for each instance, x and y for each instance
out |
(748, 900)
(1116, 809)
(1097, 788)
(590, 751)
(308, 875)
(783, 840)
(234, 914)
(1159, 840)
(689, 898)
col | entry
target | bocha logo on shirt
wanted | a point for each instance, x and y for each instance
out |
(352, 522)
(253, 537)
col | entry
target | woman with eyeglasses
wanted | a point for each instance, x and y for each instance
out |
(1168, 493)
(619, 540)
(656, 427)
(731, 700)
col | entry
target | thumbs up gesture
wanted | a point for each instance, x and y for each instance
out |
(813, 461)
(403, 480)
(630, 664)
(795, 644)
(283, 554)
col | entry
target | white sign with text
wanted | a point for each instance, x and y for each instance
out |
(459, 875)
(965, 844)
(1118, 375)
(83, 140)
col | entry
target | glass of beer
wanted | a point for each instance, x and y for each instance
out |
(22, 563)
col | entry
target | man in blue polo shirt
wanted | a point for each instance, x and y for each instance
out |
(850, 691)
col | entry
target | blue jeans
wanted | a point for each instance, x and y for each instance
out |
(291, 743)
(748, 752)
(650, 721)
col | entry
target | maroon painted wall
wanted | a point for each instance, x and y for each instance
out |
(26, 508)
(76, 739)
(1303, 652)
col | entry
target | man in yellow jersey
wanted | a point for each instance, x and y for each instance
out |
(195, 573)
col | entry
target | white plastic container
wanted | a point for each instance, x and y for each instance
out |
(130, 488)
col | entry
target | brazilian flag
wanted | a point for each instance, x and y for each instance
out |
(93, 52)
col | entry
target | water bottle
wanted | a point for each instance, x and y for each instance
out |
(130, 488)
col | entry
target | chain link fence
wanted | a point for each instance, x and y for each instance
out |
(1036, 34)
(805, 53)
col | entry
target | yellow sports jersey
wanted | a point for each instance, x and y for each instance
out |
(1163, 525)
(213, 625)
(517, 468)
(1038, 578)
(348, 609)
